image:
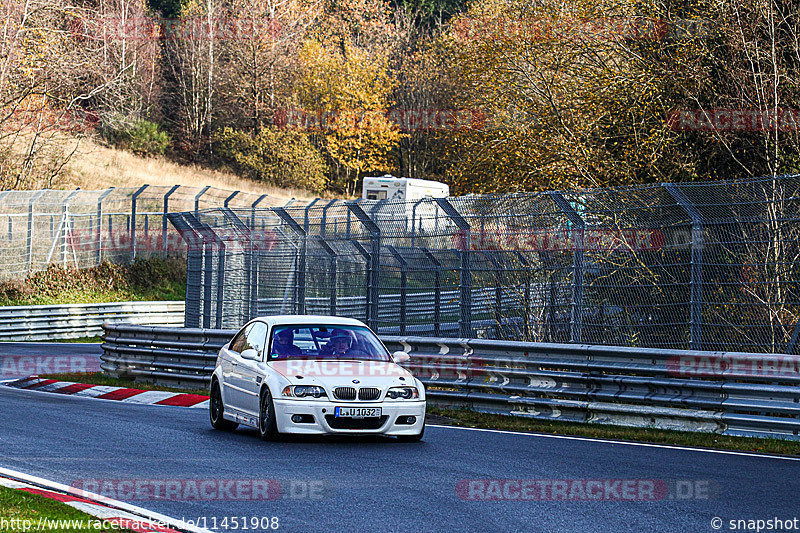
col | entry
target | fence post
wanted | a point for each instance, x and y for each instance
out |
(348, 217)
(65, 227)
(99, 251)
(331, 272)
(437, 292)
(498, 289)
(185, 224)
(576, 316)
(792, 348)
(465, 282)
(253, 207)
(164, 219)
(368, 275)
(374, 262)
(323, 223)
(229, 198)
(526, 326)
(696, 299)
(301, 269)
(403, 286)
(29, 244)
(197, 198)
(135, 197)
(414, 221)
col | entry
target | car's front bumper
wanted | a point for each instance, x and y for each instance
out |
(321, 410)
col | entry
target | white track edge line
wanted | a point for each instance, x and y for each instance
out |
(623, 442)
(103, 500)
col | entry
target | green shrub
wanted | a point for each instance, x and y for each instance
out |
(281, 158)
(143, 137)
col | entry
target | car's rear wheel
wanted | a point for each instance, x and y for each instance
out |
(413, 438)
(267, 425)
(216, 409)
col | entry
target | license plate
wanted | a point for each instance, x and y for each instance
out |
(357, 412)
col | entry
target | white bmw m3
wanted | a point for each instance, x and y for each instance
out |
(314, 375)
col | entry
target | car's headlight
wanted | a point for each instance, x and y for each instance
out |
(405, 393)
(304, 391)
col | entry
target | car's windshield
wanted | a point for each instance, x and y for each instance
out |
(326, 342)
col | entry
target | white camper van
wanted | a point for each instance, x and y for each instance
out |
(415, 216)
(402, 189)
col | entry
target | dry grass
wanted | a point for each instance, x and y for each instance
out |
(95, 166)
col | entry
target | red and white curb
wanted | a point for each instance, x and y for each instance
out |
(125, 515)
(120, 394)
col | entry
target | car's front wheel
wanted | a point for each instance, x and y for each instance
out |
(267, 425)
(216, 408)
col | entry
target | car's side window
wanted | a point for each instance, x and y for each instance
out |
(257, 337)
(238, 342)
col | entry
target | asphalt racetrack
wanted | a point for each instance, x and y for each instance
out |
(456, 480)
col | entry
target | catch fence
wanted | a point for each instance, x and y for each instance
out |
(711, 266)
(82, 228)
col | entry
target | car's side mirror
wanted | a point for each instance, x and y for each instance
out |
(250, 354)
(400, 357)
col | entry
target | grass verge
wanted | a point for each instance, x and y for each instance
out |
(144, 280)
(96, 338)
(19, 509)
(466, 418)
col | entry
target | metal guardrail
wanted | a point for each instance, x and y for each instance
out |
(721, 392)
(72, 321)
(420, 308)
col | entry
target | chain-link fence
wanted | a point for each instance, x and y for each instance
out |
(82, 228)
(710, 266)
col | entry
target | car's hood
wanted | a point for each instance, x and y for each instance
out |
(330, 373)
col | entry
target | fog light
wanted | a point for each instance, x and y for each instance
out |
(303, 419)
(406, 420)
(297, 419)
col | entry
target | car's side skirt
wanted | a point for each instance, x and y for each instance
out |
(246, 420)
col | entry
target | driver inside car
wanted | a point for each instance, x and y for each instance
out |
(338, 345)
(283, 345)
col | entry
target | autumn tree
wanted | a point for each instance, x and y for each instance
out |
(348, 89)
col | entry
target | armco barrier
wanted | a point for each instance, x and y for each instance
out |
(720, 392)
(72, 321)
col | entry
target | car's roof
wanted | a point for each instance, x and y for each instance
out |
(285, 320)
